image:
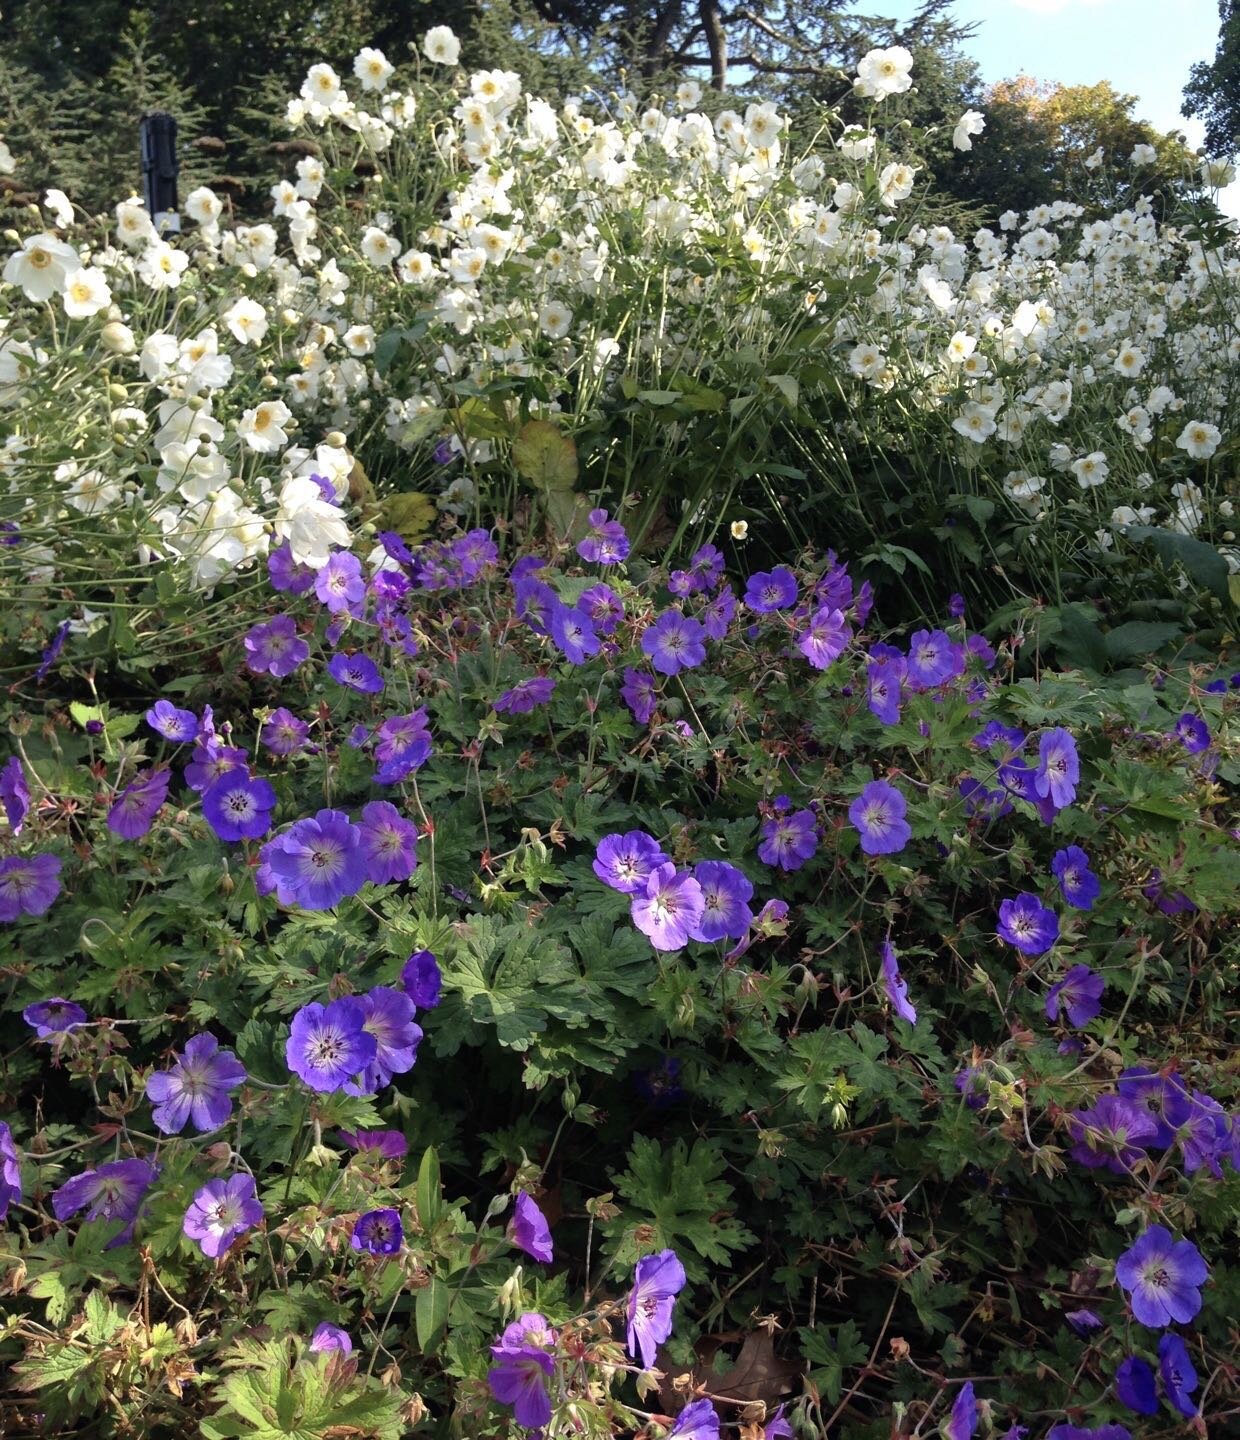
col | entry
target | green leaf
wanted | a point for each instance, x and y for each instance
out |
(429, 1202)
(545, 457)
(1080, 641)
(430, 1313)
(1139, 639)
(1201, 562)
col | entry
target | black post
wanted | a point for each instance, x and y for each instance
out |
(158, 133)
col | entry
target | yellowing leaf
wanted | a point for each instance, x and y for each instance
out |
(544, 456)
(410, 515)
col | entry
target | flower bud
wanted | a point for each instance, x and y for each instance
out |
(118, 338)
(335, 439)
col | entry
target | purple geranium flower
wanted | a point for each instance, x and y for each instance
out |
(1201, 1127)
(1178, 1376)
(402, 745)
(1193, 733)
(329, 1339)
(698, 1421)
(211, 760)
(222, 1211)
(895, 985)
(53, 1017)
(573, 634)
(771, 590)
(1059, 768)
(14, 793)
(238, 808)
(825, 639)
(525, 1357)
(525, 695)
(726, 892)
(283, 733)
(356, 672)
(52, 653)
(877, 815)
(1078, 994)
(28, 885)
(962, 1421)
(719, 613)
(1083, 1322)
(530, 1232)
(421, 979)
(165, 719)
(317, 862)
(340, 585)
(378, 1231)
(933, 659)
(1078, 884)
(273, 647)
(1064, 1431)
(196, 1088)
(10, 1171)
(674, 643)
(377, 1144)
(603, 606)
(389, 843)
(1026, 923)
(625, 862)
(777, 1427)
(788, 841)
(535, 600)
(671, 908)
(286, 574)
(706, 567)
(134, 809)
(1161, 1277)
(114, 1191)
(607, 543)
(1110, 1134)
(388, 1017)
(639, 694)
(327, 1045)
(657, 1282)
(1136, 1387)
(1155, 1094)
(883, 683)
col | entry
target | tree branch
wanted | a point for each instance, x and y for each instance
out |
(716, 43)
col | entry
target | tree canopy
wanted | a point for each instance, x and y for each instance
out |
(1212, 94)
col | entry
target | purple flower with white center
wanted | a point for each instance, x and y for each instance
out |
(475, 552)
(330, 1339)
(607, 543)
(682, 584)
(1193, 733)
(530, 1232)
(1059, 768)
(211, 761)
(1178, 1376)
(626, 862)
(525, 1363)
(573, 634)
(286, 574)
(1083, 1322)
(884, 678)
(639, 694)
(1026, 923)
(134, 809)
(114, 1191)
(283, 733)
(10, 1171)
(53, 1017)
(273, 647)
(327, 1045)
(14, 793)
(340, 584)
(698, 1421)
(525, 695)
(770, 590)
(726, 892)
(1111, 1134)
(535, 601)
(388, 1017)
(934, 658)
(877, 815)
(221, 1212)
(377, 1144)
(379, 1232)
(1156, 1095)
(895, 985)
(1202, 1130)
(1136, 1387)
(52, 653)
(826, 638)
(389, 843)
(317, 862)
(603, 607)
(777, 1427)
(238, 808)
(1161, 1277)
(788, 841)
(197, 1087)
(719, 614)
(671, 908)
(422, 980)
(179, 726)
(28, 885)
(706, 567)
(356, 672)
(1078, 884)
(402, 745)
(962, 1421)
(674, 643)
(1078, 994)
(657, 1282)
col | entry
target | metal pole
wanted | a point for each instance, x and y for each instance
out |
(158, 139)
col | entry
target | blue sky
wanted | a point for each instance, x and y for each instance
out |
(1143, 47)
